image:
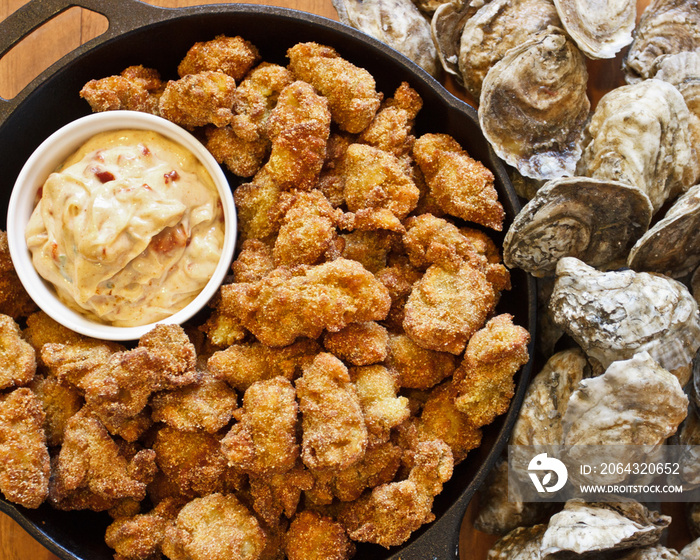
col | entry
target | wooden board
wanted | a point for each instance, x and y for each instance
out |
(76, 26)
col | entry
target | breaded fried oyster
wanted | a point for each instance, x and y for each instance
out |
(350, 90)
(24, 470)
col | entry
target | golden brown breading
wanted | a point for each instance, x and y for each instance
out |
(42, 329)
(264, 440)
(350, 90)
(391, 129)
(399, 278)
(391, 512)
(484, 380)
(302, 302)
(24, 469)
(379, 466)
(59, 401)
(460, 185)
(431, 240)
(377, 179)
(383, 409)
(173, 348)
(14, 300)
(139, 537)
(440, 419)
(17, 356)
(241, 157)
(192, 461)
(279, 494)
(231, 55)
(254, 262)
(215, 527)
(70, 362)
(331, 181)
(298, 127)
(207, 406)
(199, 99)
(241, 365)
(119, 389)
(307, 231)
(91, 470)
(369, 248)
(359, 344)
(447, 306)
(256, 96)
(334, 434)
(259, 207)
(312, 536)
(222, 330)
(418, 367)
(135, 89)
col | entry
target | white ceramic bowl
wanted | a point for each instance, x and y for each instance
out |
(52, 152)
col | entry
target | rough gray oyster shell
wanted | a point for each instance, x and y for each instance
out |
(398, 23)
(683, 71)
(500, 511)
(597, 528)
(446, 26)
(596, 221)
(600, 30)
(691, 551)
(522, 543)
(496, 28)
(533, 105)
(631, 409)
(672, 245)
(540, 418)
(693, 519)
(689, 460)
(665, 27)
(639, 134)
(656, 552)
(525, 187)
(614, 315)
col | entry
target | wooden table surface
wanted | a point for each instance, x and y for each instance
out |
(75, 26)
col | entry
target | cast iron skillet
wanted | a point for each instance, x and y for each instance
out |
(158, 37)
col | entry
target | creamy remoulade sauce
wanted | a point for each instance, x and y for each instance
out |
(129, 229)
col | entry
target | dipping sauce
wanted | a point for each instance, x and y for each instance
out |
(129, 229)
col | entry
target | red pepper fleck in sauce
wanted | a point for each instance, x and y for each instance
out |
(172, 176)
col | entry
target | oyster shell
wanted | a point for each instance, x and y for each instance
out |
(596, 221)
(691, 551)
(614, 315)
(548, 332)
(500, 510)
(533, 105)
(446, 26)
(522, 543)
(596, 528)
(496, 28)
(683, 71)
(639, 134)
(631, 409)
(600, 30)
(689, 460)
(665, 27)
(525, 187)
(539, 422)
(656, 552)
(672, 245)
(398, 23)
(693, 519)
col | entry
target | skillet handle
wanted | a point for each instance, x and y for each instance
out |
(123, 15)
